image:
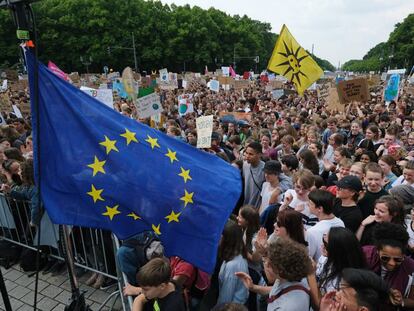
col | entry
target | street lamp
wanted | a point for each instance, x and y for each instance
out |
(86, 62)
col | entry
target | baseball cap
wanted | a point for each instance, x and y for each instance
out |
(350, 182)
(243, 123)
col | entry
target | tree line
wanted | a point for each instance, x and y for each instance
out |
(181, 38)
(396, 52)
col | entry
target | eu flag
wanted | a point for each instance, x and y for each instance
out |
(103, 170)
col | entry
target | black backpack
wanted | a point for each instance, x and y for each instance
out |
(9, 253)
(28, 260)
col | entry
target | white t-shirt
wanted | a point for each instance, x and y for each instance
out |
(331, 284)
(315, 234)
(266, 194)
(296, 202)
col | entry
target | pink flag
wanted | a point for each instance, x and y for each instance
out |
(57, 71)
(232, 72)
(206, 70)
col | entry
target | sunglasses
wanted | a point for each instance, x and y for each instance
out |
(386, 259)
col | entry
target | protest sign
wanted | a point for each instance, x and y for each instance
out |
(148, 106)
(204, 130)
(224, 115)
(225, 80)
(353, 90)
(323, 90)
(164, 77)
(4, 86)
(383, 76)
(268, 88)
(276, 84)
(113, 75)
(225, 71)
(74, 77)
(241, 84)
(105, 96)
(393, 86)
(185, 104)
(276, 94)
(332, 101)
(214, 85)
(130, 85)
(17, 111)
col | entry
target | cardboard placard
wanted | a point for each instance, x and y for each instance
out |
(353, 90)
(237, 115)
(332, 101)
(276, 84)
(225, 80)
(241, 84)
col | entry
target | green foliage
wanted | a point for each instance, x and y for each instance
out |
(165, 36)
(397, 52)
(324, 64)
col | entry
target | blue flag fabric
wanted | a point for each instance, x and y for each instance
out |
(100, 169)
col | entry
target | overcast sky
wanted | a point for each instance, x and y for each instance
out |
(339, 29)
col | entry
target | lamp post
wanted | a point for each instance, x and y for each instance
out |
(86, 62)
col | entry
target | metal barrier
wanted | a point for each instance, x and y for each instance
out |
(93, 249)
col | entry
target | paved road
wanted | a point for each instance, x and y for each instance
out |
(54, 291)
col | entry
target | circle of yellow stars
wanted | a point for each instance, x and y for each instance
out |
(98, 167)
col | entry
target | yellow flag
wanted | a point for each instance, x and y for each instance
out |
(292, 61)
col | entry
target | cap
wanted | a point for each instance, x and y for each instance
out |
(350, 182)
(273, 167)
(244, 123)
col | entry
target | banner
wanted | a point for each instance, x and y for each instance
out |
(149, 106)
(332, 101)
(57, 71)
(105, 96)
(204, 130)
(353, 90)
(393, 86)
(17, 111)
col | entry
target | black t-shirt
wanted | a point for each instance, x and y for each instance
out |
(350, 215)
(174, 301)
(367, 203)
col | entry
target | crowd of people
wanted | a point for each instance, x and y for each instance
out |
(325, 220)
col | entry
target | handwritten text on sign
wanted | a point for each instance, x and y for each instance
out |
(204, 130)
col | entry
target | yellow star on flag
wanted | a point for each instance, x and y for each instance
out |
(187, 198)
(97, 166)
(172, 155)
(109, 145)
(185, 174)
(173, 217)
(133, 215)
(152, 141)
(129, 136)
(96, 194)
(111, 211)
(156, 229)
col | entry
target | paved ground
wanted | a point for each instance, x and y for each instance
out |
(53, 291)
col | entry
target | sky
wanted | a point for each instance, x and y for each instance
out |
(340, 30)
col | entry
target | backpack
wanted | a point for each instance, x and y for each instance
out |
(28, 260)
(200, 285)
(9, 253)
(146, 245)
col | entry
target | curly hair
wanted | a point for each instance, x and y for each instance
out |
(289, 259)
(390, 234)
